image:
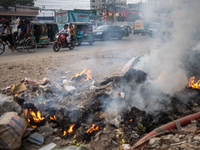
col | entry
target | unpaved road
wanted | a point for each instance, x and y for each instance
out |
(104, 59)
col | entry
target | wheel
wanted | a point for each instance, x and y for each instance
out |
(2, 47)
(56, 47)
(31, 46)
(119, 38)
(72, 46)
(19, 48)
(91, 42)
(105, 37)
(79, 44)
(44, 45)
(143, 33)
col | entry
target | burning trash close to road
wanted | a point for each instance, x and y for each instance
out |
(157, 93)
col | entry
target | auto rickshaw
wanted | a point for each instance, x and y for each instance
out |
(39, 32)
(83, 32)
(127, 30)
(52, 30)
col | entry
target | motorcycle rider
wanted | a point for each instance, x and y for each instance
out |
(72, 32)
(66, 31)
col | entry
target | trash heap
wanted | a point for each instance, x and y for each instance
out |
(72, 112)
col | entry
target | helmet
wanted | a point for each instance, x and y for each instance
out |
(70, 23)
(66, 25)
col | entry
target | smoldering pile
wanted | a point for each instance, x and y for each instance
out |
(97, 113)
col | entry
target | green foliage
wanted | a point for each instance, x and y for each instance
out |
(17, 2)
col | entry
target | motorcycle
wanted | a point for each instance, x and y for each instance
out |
(61, 42)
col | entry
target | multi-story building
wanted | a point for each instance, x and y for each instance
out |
(97, 4)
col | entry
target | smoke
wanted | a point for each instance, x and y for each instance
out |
(168, 64)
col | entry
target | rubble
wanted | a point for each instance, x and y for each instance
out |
(78, 116)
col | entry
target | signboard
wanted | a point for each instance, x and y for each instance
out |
(78, 16)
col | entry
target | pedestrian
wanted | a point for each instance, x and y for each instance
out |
(7, 34)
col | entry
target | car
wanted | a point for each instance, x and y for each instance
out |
(106, 32)
(154, 29)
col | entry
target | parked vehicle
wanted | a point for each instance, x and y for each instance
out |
(54, 27)
(108, 31)
(154, 29)
(140, 26)
(61, 41)
(83, 32)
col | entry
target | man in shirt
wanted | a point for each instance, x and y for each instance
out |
(6, 32)
(66, 31)
(22, 30)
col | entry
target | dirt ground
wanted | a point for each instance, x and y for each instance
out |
(104, 59)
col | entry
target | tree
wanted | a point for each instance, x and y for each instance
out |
(17, 2)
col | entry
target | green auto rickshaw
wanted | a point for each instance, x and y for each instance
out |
(52, 30)
(40, 33)
(83, 32)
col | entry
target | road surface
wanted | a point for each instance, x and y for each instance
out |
(104, 59)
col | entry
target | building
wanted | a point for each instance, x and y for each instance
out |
(97, 4)
(120, 3)
(15, 12)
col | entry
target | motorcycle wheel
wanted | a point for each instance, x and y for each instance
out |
(56, 47)
(72, 46)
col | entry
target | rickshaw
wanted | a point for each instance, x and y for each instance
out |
(127, 30)
(54, 27)
(83, 32)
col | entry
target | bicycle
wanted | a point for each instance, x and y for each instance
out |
(28, 44)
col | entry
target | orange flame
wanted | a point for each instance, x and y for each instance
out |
(71, 128)
(131, 120)
(87, 72)
(16, 95)
(64, 133)
(29, 120)
(26, 112)
(92, 128)
(33, 127)
(37, 118)
(53, 118)
(194, 85)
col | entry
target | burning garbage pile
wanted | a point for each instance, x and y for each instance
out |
(81, 111)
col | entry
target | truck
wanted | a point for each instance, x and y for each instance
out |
(140, 26)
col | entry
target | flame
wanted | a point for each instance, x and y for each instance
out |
(71, 128)
(92, 128)
(194, 85)
(87, 72)
(53, 118)
(37, 118)
(131, 120)
(64, 133)
(16, 95)
(26, 112)
(29, 120)
(33, 127)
